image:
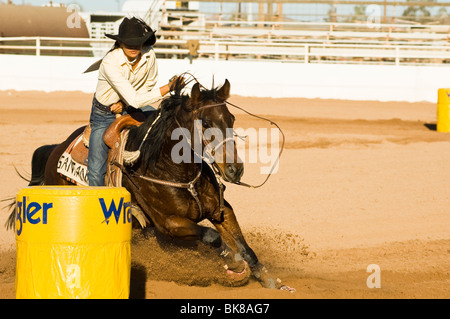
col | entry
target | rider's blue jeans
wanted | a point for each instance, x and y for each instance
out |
(98, 151)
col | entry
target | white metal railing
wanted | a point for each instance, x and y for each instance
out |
(374, 27)
(220, 48)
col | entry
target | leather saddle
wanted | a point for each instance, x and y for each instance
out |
(115, 137)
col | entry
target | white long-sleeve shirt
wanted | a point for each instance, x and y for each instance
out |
(118, 81)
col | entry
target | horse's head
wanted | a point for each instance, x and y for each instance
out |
(212, 126)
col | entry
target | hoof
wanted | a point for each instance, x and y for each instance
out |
(267, 281)
(287, 288)
(238, 278)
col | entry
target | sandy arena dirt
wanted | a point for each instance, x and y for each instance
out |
(359, 183)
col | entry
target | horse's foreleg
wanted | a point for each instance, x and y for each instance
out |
(232, 235)
(184, 228)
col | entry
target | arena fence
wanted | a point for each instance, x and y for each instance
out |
(291, 42)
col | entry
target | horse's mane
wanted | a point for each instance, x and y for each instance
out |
(152, 146)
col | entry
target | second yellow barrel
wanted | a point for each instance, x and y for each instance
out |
(443, 111)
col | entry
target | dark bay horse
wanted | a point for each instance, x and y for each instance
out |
(176, 211)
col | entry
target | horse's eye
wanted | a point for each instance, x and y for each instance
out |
(205, 124)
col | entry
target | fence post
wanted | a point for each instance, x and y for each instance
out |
(216, 51)
(38, 46)
(306, 53)
(397, 56)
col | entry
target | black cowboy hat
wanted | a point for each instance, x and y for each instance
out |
(134, 32)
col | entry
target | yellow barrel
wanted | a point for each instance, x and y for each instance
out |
(73, 242)
(443, 111)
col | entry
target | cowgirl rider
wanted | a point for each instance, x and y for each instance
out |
(127, 77)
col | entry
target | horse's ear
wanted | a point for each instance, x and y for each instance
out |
(224, 92)
(195, 93)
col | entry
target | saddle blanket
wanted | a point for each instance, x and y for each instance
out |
(73, 171)
(72, 164)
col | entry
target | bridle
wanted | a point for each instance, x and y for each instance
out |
(227, 139)
(255, 116)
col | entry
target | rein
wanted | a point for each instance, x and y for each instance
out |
(279, 154)
(255, 116)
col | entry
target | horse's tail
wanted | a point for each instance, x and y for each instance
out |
(10, 222)
(38, 162)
